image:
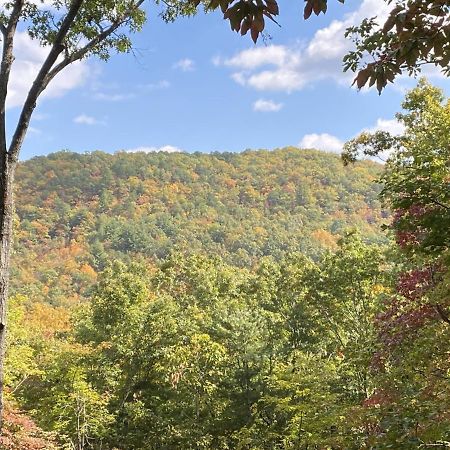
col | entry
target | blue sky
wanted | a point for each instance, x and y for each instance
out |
(194, 85)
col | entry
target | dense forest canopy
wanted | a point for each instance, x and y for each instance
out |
(88, 209)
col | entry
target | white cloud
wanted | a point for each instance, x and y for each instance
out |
(391, 126)
(239, 77)
(185, 65)
(262, 105)
(164, 148)
(29, 57)
(283, 79)
(255, 57)
(324, 141)
(290, 68)
(84, 119)
(330, 143)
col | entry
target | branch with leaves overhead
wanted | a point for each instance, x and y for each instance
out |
(416, 33)
(84, 22)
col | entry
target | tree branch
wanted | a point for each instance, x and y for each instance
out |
(3, 30)
(39, 83)
(48, 72)
(6, 64)
(80, 53)
(436, 202)
(442, 314)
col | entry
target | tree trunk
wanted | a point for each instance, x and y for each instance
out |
(6, 216)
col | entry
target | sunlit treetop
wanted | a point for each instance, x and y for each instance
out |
(416, 182)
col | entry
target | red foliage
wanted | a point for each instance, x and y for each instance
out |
(20, 432)
(415, 283)
(406, 239)
(404, 219)
(407, 313)
(378, 398)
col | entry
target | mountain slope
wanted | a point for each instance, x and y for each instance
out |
(77, 212)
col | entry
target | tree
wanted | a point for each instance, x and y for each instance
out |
(413, 325)
(72, 31)
(416, 177)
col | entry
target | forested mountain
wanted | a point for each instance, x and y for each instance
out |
(75, 213)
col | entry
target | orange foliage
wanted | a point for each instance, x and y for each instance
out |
(48, 320)
(87, 270)
(325, 238)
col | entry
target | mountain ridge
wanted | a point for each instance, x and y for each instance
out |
(83, 210)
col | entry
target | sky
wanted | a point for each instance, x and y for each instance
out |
(194, 85)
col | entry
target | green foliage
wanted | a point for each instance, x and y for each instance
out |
(256, 345)
(302, 407)
(99, 27)
(413, 326)
(198, 354)
(21, 358)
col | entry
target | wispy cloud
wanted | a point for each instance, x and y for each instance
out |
(262, 105)
(113, 97)
(114, 93)
(34, 130)
(162, 84)
(40, 116)
(84, 119)
(185, 65)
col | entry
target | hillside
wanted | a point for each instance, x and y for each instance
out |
(77, 212)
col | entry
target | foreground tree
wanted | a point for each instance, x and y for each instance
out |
(72, 31)
(413, 326)
(416, 178)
